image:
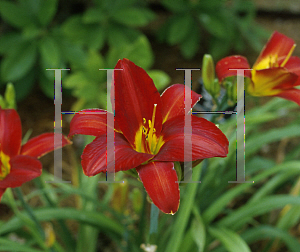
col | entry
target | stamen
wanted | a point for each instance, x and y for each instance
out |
(144, 121)
(288, 56)
(151, 131)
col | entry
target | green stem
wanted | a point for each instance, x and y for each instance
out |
(30, 212)
(183, 215)
(153, 223)
(25, 219)
(65, 233)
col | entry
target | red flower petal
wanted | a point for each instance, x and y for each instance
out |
(293, 65)
(41, 145)
(232, 62)
(173, 101)
(207, 140)
(278, 45)
(291, 94)
(23, 169)
(135, 96)
(10, 132)
(159, 180)
(93, 123)
(94, 156)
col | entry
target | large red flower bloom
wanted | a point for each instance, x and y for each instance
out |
(149, 134)
(19, 164)
(275, 72)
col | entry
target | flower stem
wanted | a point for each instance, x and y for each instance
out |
(154, 213)
(30, 212)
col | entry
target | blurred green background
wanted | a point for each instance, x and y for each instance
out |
(159, 36)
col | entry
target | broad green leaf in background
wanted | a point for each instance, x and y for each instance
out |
(190, 45)
(7, 40)
(160, 78)
(47, 11)
(18, 63)
(231, 240)
(15, 15)
(50, 53)
(133, 16)
(139, 52)
(179, 28)
(94, 15)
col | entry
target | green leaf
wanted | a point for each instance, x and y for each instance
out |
(253, 143)
(47, 11)
(10, 38)
(176, 6)
(218, 205)
(10, 245)
(50, 53)
(160, 78)
(94, 62)
(94, 15)
(263, 232)
(94, 218)
(120, 36)
(25, 85)
(133, 16)
(179, 28)
(139, 52)
(75, 30)
(190, 45)
(215, 25)
(290, 218)
(183, 214)
(74, 54)
(198, 230)
(242, 216)
(231, 240)
(16, 64)
(96, 37)
(14, 14)
(46, 84)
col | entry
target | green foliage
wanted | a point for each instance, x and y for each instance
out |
(37, 38)
(223, 25)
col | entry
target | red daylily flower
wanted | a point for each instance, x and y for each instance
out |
(275, 72)
(19, 163)
(149, 134)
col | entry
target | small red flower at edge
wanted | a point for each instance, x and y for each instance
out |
(19, 164)
(275, 72)
(149, 134)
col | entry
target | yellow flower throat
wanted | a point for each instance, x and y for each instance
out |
(273, 59)
(146, 140)
(4, 165)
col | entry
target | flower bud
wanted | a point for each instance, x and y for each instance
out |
(208, 75)
(10, 96)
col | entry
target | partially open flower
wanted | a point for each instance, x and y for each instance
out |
(275, 72)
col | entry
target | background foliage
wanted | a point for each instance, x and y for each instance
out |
(84, 216)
